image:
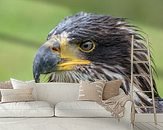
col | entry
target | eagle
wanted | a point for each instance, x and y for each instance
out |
(89, 46)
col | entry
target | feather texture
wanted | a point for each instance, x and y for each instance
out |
(111, 58)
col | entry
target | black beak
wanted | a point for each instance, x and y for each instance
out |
(44, 62)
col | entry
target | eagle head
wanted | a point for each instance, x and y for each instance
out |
(88, 46)
(84, 46)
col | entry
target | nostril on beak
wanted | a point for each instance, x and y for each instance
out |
(55, 49)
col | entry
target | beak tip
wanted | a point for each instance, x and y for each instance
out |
(36, 70)
(36, 77)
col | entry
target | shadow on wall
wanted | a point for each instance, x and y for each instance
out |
(147, 12)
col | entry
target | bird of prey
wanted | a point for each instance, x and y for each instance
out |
(89, 46)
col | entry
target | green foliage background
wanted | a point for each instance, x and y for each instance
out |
(24, 25)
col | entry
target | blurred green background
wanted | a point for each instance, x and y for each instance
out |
(24, 25)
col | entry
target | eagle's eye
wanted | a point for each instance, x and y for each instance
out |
(87, 46)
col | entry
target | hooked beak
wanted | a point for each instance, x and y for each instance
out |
(55, 55)
(44, 62)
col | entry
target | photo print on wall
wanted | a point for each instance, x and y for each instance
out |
(88, 46)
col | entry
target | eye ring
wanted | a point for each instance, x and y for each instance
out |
(87, 46)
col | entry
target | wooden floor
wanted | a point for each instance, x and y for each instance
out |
(148, 126)
(146, 122)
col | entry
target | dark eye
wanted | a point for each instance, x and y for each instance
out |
(87, 46)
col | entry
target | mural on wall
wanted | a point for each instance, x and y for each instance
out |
(89, 47)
